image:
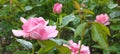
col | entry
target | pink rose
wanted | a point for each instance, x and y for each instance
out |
(57, 8)
(102, 18)
(74, 47)
(36, 28)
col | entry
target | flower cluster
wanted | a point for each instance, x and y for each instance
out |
(74, 47)
(36, 28)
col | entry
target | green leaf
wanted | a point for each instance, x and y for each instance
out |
(106, 52)
(27, 8)
(21, 52)
(26, 44)
(46, 50)
(68, 19)
(45, 43)
(114, 14)
(46, 46)
(105, 29)
(111, 6)
(60, 41)
(80, 29)
(115, 27)
(99, 35)
(118, 52)
(64, 50)
(116, 35)
(88, 11)
(76, 5)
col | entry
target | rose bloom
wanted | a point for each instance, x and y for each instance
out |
(74, 47)
(102, 18)
(36, 28)
(57, 8)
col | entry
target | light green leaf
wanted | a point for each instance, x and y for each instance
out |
(46, 46)
(111, 6)
(80, 29)
(68, 19)
(99, 36)
(115, 14)
(64, 50)
(46, 50)
(27, 8)
(88, 11)
(105, 29)
(60, 41)
(45, 43)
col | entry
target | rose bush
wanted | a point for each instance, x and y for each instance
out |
(92, 24)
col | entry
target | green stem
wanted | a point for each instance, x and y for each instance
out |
(59, 23)
(32, 50)
(80, 45)
(81, 41)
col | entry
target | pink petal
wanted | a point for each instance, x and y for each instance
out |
(84, 50)
(18, 33)
(107, 23)
(35, 35)
(67, 46)
(23, 20)
(38, 26)
(53, 34)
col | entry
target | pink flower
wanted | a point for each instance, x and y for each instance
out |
(57, 8)
(74, 47)
(36, 28)
(102, 18)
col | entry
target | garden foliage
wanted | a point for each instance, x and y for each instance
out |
(60, 26)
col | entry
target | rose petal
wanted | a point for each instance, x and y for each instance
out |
(18, 33)
(23, 20)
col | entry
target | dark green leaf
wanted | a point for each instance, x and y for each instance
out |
(115, 27)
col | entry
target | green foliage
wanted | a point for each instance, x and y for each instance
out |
(49, 45)
(80, 29)
(100, 35)
(115, 27)
(68, 19)
(23, 52)
(63, 50)
(74, 17)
